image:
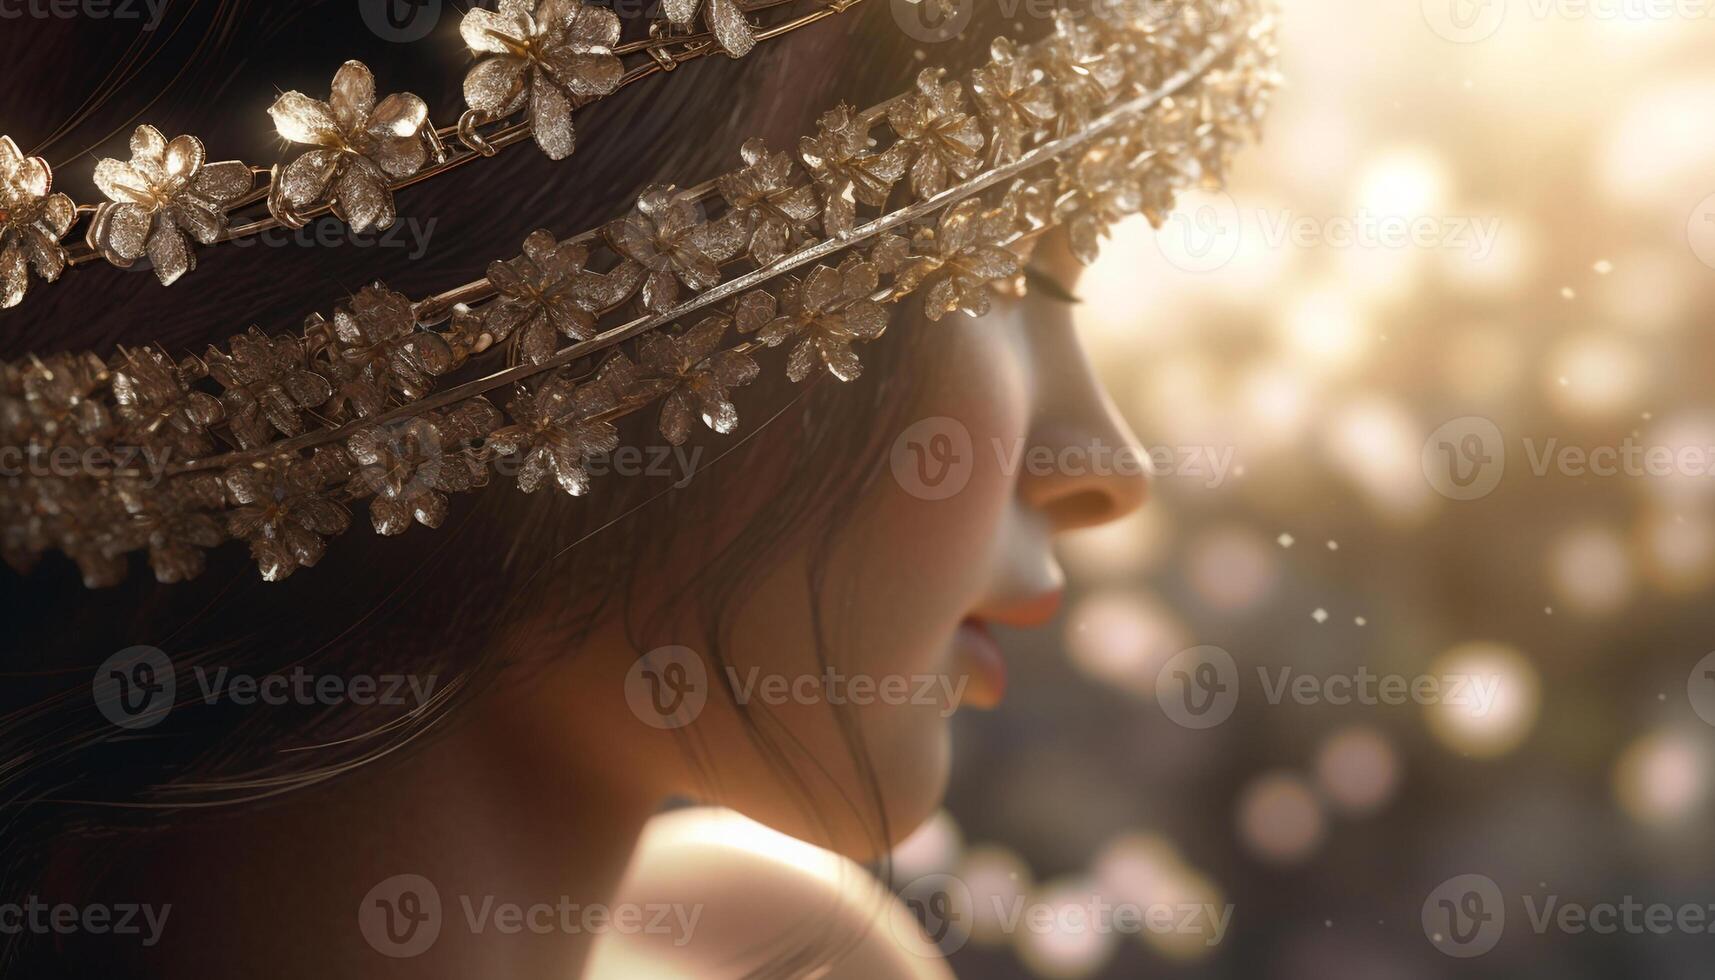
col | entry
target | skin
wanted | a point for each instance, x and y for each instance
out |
(552, 787)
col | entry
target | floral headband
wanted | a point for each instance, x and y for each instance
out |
(939, 192)
(538, 62)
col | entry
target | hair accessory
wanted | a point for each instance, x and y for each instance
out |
(538, 62)
(274, 439)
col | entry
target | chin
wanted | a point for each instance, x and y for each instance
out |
(913, 783)
(911, 773)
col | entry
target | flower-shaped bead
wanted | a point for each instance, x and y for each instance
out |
(286, 510)
(64, 394)
(1084, 70)
(553, 55)
(268, 386)
(543, 293)
(166, 191)
(174, 522)
(958, 260)
(1013, 96)
(1155, 46)
(779, 208)
(943, 138)
(558, 429)
(1099, 188)
(667, 235)
(33, 219)
(701, 377)
(726, 22)
(826, 312)
(410, 466)
(359, 147)
(154, 400)
(381, 352)
(848, 171)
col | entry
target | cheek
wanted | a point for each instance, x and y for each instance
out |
(921, 553)
(927, 548)
(926, 551)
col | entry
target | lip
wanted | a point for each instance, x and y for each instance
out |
(978, 653)
(982, 664)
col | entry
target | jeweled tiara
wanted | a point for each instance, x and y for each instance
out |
(538, 62)
(939, 192)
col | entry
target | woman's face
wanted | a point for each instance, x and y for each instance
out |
(1011, 441)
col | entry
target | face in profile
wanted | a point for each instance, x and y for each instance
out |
(787, 632)
(952, 543)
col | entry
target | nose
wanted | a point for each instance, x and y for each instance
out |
(1088, 468)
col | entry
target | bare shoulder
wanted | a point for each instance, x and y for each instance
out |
(728, 897)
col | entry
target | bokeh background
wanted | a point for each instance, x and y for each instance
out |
(1554, 165)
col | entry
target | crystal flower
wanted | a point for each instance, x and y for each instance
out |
(1099, 190)
(285, 510)
(66, 400)
(1082, 70)
(359, 147)
(890, 253)
(701, 377)
(777, 207)
(666, 234)
(166, 191)
(726, 22)
(268, 386)
(755, 310)
(959, 259)
(826, 312)
(544, 292)
(64, 395)
(174, 523)
(554, 55)
(153, 397)
(410, 466)
(1013, 96)
(1032, 201)
(32, 222)
(842, 159)
(1155, 46)
(558, 429)
(943, 138)
(380, 351)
